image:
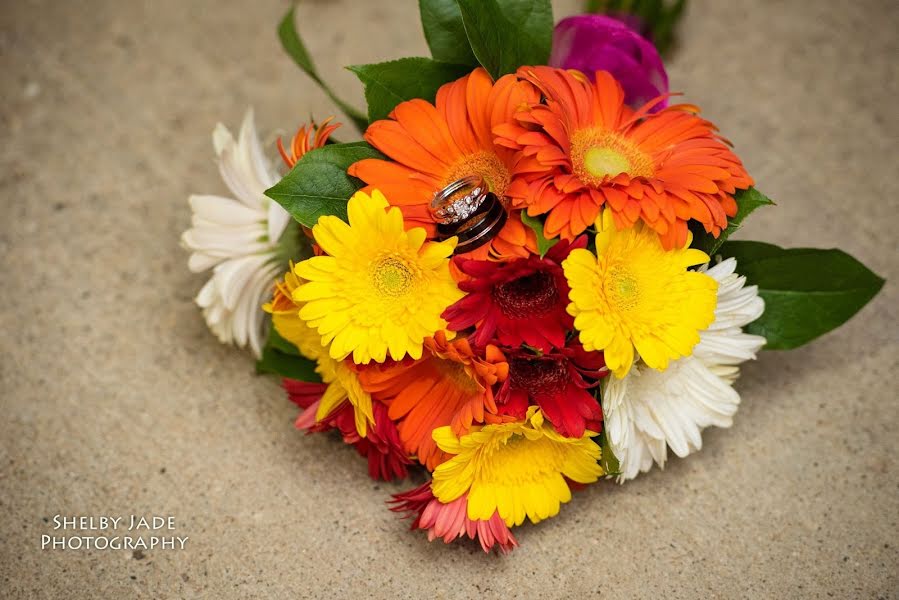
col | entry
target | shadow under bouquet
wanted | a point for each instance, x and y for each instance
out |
(521, 280)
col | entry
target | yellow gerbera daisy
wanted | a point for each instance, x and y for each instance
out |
(380, 289)
(634, 294)
(518, 469)
(341, 378)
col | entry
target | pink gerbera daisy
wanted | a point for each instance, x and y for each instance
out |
(451, 521)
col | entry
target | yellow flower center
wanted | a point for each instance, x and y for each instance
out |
(377, 289)
(393, 276)
(487, 165)
(621, 289)
(597, 156)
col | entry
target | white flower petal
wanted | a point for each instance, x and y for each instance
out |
(237, 239)
(254, 157)
(724, 342)
(200, 261)
(228, 241)
(649, 410)
(223, 211)
(234, 275)
(232, 300)
(207, 294)
(249, 309)
(278, 218)
(243, 165)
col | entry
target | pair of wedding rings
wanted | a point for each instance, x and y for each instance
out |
(467, 209)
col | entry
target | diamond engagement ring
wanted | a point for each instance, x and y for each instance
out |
(467, 210)
(459, 200)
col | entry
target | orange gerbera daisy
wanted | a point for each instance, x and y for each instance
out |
(308, 137)
(451, 385)
(433, 146)
(584, 148)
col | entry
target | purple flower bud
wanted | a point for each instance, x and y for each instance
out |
(591, 43)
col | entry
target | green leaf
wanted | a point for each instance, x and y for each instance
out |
(543, 244)
(280, 357)
(441, 21)
(807, 291)
(746, 252)
(294, 245)
(656, 18)
(506, 34)
(608, 461)
(276, 341)
(389, 83)
(662, 29)
(747, 201)
(293, 45)
(318, 184)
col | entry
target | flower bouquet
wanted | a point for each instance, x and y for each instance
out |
(521, 280)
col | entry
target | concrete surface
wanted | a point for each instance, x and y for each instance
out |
(117, 401)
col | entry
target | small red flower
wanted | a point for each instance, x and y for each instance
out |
(516, 302)
(386, 458)
(558, 382)
(450, 521)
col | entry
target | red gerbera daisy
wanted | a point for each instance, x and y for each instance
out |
(386, 458)
(518, 302)
(451, 521)
(558, 383)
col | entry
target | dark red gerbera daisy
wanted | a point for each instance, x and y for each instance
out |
(381, 446)
(559, 383)
(515, 302)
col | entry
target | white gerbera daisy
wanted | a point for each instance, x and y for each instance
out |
(238, 239)
(649, 411)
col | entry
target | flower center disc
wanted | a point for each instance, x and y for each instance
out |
(605, 162)
(487, 165)
(392, 277)
(538, 375)
(598, 156)
(457, 373)
(622, 290)
(529, 296)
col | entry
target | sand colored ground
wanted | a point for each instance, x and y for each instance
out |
(117, 401)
